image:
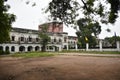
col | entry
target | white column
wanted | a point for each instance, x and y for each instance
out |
(4, 48)
(118, 46)
(60, 48)
(26, 48)
(87, 46)
(67, 47)
(76, 47)
(53, 48)
(33, 48)
(40, 48)
(16, 48)
(100, 45)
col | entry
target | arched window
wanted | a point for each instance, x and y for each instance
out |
(37, 48)
(30, 48)
(13, 48)
(21, 48)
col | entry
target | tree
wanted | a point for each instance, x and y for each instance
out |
(94, 12)
(6, 20)
(44, 38)
(112, 40)
(91, 40)
(67, 10)
(88, 32)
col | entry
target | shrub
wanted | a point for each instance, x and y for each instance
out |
(7, 52)
(4, 52)
(1, 52)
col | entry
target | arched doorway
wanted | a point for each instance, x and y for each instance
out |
(1, 48)
(7, 48)
(30, 48)
(37, 48)
(56, 48)
(12, 48)
(21, 48)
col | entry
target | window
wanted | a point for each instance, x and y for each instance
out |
(12, 48)
(65, 39)
(55, 40)
(37, 39)
(50, 47)
(30, 48)
(30, 39)
(22, 39)
(60, 40)
(37, 48)
(13, 38)
(21, 48)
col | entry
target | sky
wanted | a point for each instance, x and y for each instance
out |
(30, 17)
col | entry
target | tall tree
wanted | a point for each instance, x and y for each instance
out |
(44, 38)
(88, 32)
(66, 10)
(6, 20)
(93, 12)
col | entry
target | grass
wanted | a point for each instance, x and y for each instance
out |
(48, 54)
(92, 52)
(32, 54)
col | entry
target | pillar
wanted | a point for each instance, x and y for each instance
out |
(3, 47)
(26, 48)
(16, 48)
(118, 46)
(67, 47)
(100, 45)
(60, 48)
(76, 47)
(87, 46)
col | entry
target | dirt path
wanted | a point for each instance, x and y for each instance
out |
(60, 67)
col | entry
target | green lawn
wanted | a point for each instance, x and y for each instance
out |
(32, 54)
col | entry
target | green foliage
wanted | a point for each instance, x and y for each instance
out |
(87, 27)
(6, 20)
(67, 10)
(63, 10)
(115, 6)
(44, 38)
(112, 40)
(91, 40)
(88, 30)
(4, 52)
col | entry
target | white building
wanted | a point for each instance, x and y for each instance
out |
(24, 40)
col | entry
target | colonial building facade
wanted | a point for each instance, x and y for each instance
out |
(24, 40)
